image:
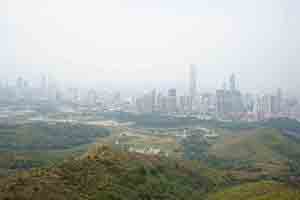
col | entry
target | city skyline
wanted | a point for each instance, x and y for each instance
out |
(225, 103)
(184, 86)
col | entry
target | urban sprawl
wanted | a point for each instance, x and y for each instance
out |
(227, 103)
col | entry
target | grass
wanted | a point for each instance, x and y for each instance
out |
(253, 154)
(255, 145)
(266, 148)
(35, 145)
(139, 140)
(264, 190)
(259, 145)
(43, 136)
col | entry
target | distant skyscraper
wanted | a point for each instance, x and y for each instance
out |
(172, 100)
(153, 100)
(229, 101)
(224, 102)
(193, 81)
(259, 108)
(146, 103)
(172, 92)
(159, 101)
(273, 102)
(266, 103)
(193, 86)
(232, 82)
(279, 100)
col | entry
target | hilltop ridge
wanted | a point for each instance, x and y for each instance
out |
(108, 174)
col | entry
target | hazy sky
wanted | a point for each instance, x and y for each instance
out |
(155, 40)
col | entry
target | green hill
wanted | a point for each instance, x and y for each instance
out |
(44, 136)
(260, 145)
(264, 190)
(106, 174)
(35, 145)
(249, 154)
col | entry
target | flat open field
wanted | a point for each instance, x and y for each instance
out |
(139, 140)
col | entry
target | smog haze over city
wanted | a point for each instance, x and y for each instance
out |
(155, 41)
(149, 100)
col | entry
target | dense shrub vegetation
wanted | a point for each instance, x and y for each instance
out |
(42, 136)
(106, 174)
(265, 152)
(255, 161)
(40, 144)
(156, 120)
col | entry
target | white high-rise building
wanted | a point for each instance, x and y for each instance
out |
(232, 82)
(193, 85)
(172, 100)
(193, 80)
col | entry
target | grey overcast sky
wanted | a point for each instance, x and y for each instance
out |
(135, 40)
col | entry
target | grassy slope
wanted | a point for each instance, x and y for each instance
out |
(105, 174)
(266, 149)
(258, 146)
(42, 136)
(264, 190)
(36, 145)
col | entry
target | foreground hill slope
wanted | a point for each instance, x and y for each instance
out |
(251, 154)
(258, 145)
(264, 190)
(106, 174)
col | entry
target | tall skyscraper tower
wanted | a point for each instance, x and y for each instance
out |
(153, 100)
(279, 100)
(193, 81)
(232, 82)
(172, 100)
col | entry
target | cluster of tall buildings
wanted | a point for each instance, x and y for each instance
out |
(25, 91)
(227, 103)
(268, 105)
(47, 91)
(229, 100)
(173, 103)
(231, 103)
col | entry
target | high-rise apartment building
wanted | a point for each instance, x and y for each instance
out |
(193, 81)
(172, 100)
(232, 82)
(193, 86)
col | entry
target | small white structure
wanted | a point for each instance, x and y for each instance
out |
(211, 135)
